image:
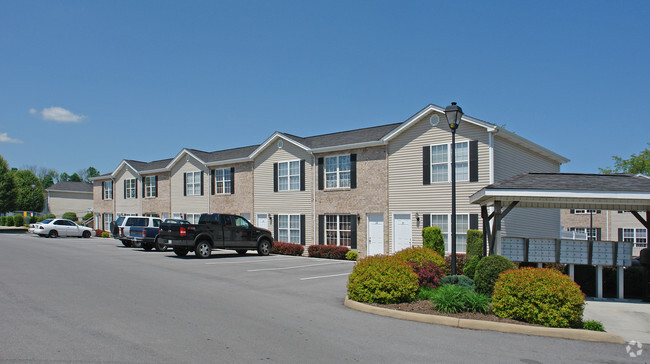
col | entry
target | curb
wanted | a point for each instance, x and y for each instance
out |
(13, 230)
(571, 334)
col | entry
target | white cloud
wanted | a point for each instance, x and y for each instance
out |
(4, 138)
(58, 114)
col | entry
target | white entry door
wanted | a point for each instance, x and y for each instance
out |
(375, 234)
(401, 232)
(263, 221)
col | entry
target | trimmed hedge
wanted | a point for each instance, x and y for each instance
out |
(488, 270)
(461, 260)
(352, 255)
(3, 220)
(432, 239)
(469, 269)
(9, 221)
(382, 279)
(539, 296)
(19, 220)
(421, 255)
(70, 216)
(287, 248)
(106, 234)
(328, 251)
(474, 243)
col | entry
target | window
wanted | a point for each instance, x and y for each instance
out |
(223, 179)
(193, 183)
(289, 176)
(441, 162)
(637, 236)
(192, 218)
(337, 171)
(591, 233)
(462, 225)
(129, 188)
(151, 186)
(107, 192)
(108, 218)
(582, 212)
(289, 228)
(338, 230)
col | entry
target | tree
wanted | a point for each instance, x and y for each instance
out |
(635, 164)
(28, 198)
(75, 178)
(64, 177)
(7, 188)
(87, 174)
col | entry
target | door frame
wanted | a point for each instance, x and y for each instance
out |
(383, 233)
(393, 251)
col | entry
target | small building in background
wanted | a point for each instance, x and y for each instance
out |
(74, 197)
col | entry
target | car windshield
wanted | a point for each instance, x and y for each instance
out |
(137, 221)
(46, 221)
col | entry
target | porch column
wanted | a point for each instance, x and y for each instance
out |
(599, 281)
(620, 286)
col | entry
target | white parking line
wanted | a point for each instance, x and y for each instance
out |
(294, 267)
(329, 276)
(250, 261)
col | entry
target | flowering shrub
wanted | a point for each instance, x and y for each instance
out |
(287, 248)
(539, 296)
(428, 273)
(328, 251)
(421, 255)
(487, 272)
(382, 279)
(99, 232)
(461, 260)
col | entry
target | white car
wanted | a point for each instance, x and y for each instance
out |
(60, 227)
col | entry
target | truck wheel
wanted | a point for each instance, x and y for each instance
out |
(203, 249)
(241, 251)
(126, 243)
(264, 247)
(180, 252)
(160, 246)
(136, 244)
(147, 246)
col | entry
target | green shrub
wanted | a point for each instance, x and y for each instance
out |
(9, 221)
(287, 248)
(474, 243)
(487, 272)
(3, 220)
(88, 216)
(432, 239)
(70, 216)
(19, 220)
(352, 255)
(49, 216)
(106, 234)
(455, 299)
(461, 260)
(538, 296)
(469, 269)
(428, 273)
(32, 219)
(462, 281)
(421, 255)
(593, 325)
(382, 279)
(425, 293)
(328, 251)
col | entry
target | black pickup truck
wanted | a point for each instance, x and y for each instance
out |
(216, 231)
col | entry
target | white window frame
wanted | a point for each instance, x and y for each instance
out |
(193, 187)
(338, 235)
(585, 212)
(637, 236)
(591, 233)
(461, 234)
(192, 217)
(108, 190)
(340, 180)
(289, 177)
(150, 186)
(130, 187)
(223, 183)
(287, 226)
(108, 218)
(460, 163)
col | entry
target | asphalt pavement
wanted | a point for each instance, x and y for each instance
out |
(93, 300)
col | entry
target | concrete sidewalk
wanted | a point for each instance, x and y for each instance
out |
(629, 318)
(13, 230)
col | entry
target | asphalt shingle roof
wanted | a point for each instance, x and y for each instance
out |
(575, 182)
(371, 134)
(71, 187)
(223, 155)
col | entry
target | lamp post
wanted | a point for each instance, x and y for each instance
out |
(454, 113)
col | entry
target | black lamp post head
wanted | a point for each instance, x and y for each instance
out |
(454, 113)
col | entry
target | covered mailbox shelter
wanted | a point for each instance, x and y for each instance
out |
(622, 192)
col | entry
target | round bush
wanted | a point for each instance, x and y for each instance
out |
(469, 269)
(3, 220)
(421, 255)
(432, 239)
(487, 272)
(9, 221)
(352, 255)
(19, 220)
(382, 279)
(106, 234)
(428, 273)
(538, 296)
(88, 216)
(70, 216)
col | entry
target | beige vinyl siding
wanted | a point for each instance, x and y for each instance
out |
(283, 202)
(510, 160)
(195, 204)
(407, 193)
(60, 202)
(126, 205)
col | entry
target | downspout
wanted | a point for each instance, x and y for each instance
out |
(491, 154)
(313, 204)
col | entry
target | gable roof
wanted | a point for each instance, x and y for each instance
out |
(66, 186)
(224, 156)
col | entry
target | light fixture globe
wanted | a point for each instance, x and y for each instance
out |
(454, 113)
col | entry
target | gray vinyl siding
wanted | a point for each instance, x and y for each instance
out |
(188, 204)
(510, 160)
(406, 191)
(126, 205)
(283, 202)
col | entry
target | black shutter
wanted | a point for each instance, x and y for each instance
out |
(303, 236)
(572, 211)
(598, 234)
(473, 221)
(473, 161)
(321, 229)
(620, 235)
(184, 184)
(112, 184)
(143, 188)
(156, 179)
(275, 227)
(135, 189)
(353, 232)
(212, 181)
(125, 189)
(426, 165)
(275, 177)
(103, 189)
(232, 180)
(302, 174)
(426, 220)
(321, 174)
(353, 171)
(201, 183)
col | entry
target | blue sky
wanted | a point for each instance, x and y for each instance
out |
(89, 83)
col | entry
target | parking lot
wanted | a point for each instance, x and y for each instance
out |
(94, 300)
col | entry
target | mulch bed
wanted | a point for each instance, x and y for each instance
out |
(426, 307)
